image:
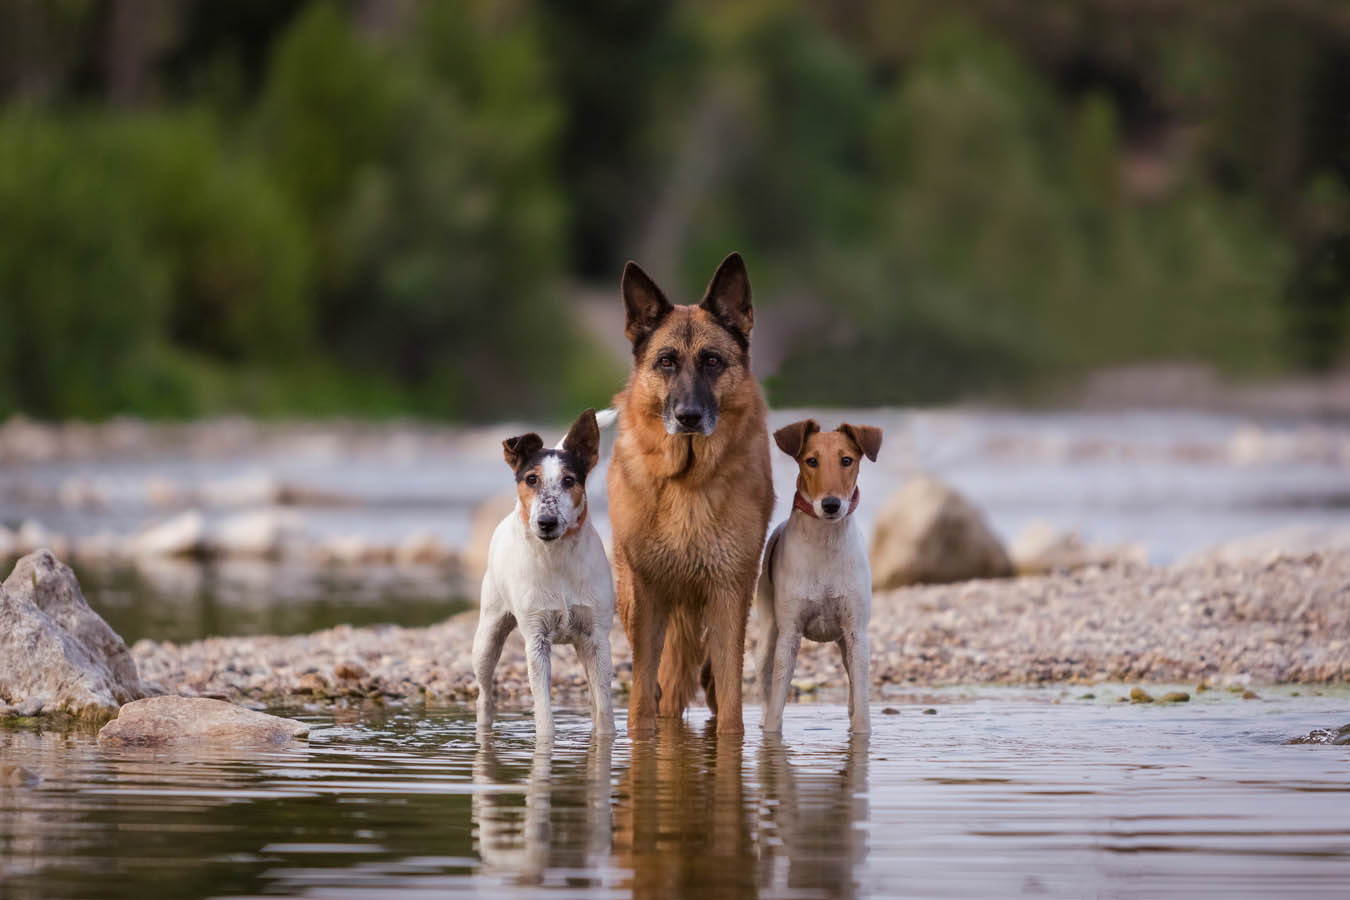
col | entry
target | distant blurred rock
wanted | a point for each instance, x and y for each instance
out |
(423, 548)
(1041, 548)
(261, 532)
(928, 533)
(170, 719)
(486, 517)
(182, 535)
(56, 654)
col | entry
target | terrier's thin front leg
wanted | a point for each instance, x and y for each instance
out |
(599, 667)
(857, 657)
(487, 649)
(538, 662)
(784, 661)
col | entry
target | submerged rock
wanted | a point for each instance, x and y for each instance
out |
(1139, 695)
(928, 533)
(56, 654)
(1338, 736)
(1176, 697)
(169, 719)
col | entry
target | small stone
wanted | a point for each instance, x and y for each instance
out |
(1236, 689)
(350, 671)
(1250, 695)
(930, 711)
(1139, 695)
(1202, 687)
(169, 719)
(1088, 696)
(1176, 697)
(890, 711)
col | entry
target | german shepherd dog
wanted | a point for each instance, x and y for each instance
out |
(690, 495)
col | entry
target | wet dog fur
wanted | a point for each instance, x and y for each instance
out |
(690, 495)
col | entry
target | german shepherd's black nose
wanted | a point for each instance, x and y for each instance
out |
(691, 420)
(831, 505)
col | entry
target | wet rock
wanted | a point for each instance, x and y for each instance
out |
(1088, 696)
(1176, 697)
(930, 712)
(17, 776)
(1250, 695)
(890, 711)
(928, 533)
(1139, 695)
(169, 720)
(56, 654)
(182, 535)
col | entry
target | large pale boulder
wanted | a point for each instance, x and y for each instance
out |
(171, 719)
(928, 533)
(56, 654)
(486, 517)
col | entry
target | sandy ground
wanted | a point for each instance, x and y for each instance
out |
(1284, 618)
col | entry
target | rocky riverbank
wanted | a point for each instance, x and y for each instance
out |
(1281, 618)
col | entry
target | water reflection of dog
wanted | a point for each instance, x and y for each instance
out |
(567, 822)
(814, 816)
(681, 823)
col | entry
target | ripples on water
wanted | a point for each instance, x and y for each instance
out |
(998, 796)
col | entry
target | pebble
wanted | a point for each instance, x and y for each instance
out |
(1139, 695)
(890, 711)
(1176, 697)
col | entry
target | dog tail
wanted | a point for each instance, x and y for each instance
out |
(605, 418)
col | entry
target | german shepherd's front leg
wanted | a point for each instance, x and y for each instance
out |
(645, 622)
(727, 612)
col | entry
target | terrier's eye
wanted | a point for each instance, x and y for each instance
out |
(568, 481)
(531, 479)
(812, 462)
(846, 461)
(667, 363)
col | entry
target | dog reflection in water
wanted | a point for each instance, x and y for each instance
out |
(682, 825)
(566, 823)
(808, 835)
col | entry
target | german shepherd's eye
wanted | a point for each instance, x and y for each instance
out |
(666, 363)
(531, 479)
(845, 461)
(812, 462)
(568, 481)
(713, 363)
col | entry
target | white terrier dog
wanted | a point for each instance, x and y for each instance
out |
(547, 574)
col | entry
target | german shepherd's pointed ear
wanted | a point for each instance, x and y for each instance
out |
(644, 303)
(792, 438)
(728, 297)
(583, 441)
(867, 437)
(518, 450)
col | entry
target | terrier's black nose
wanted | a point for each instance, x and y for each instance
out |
(547, 523)
(689, 419)
(830, 505)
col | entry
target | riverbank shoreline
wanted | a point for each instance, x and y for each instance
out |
(1281, 619)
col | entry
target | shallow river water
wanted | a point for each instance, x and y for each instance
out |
(999, 793)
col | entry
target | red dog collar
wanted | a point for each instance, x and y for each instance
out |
(799, 502)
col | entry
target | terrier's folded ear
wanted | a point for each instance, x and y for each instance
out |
(792, 438)
(867, 437)
(518, 450)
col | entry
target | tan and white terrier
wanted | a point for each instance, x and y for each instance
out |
(816, 581)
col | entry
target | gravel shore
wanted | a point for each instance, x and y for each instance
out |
(1281, 619)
